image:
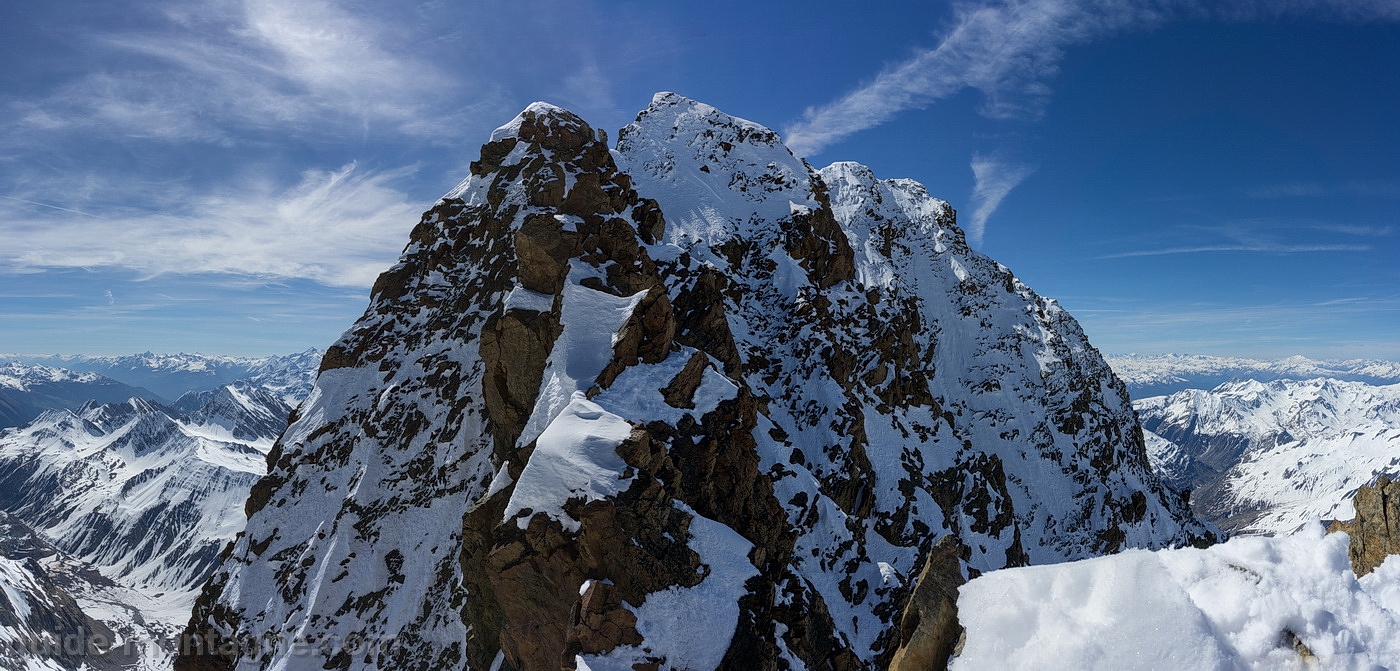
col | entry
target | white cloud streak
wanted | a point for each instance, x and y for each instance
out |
(238, 65)
(1007, 49)
(1256, 248)
(995, 178)
(339, 227)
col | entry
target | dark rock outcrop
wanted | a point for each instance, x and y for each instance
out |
(1375, 531)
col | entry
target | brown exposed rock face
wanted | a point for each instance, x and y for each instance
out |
(1375, 532)
(522, 581)
(929, 629)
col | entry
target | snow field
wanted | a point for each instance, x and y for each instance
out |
(1235, 606)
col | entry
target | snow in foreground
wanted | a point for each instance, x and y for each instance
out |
(1243, 604)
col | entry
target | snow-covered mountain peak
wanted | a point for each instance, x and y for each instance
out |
(685, 115)
(109, 416)
(607, 392)
(545, 113)
(716, 176)
(20, 376)
(894, 225)
(883, 199)
(545, 138)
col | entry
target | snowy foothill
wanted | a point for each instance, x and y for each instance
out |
(1289, 602)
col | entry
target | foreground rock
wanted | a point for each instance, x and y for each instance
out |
(1375, 531)
(683, 404)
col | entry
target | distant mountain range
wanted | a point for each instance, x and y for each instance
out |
(1158, 375)
(1266, 457)
(112, 515)
(26, 390)
(167, 376)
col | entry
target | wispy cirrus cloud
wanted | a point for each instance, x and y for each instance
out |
(340, 227)
(1004, 49)
(215, 71)
(1367, 188)
(1008, 49)
(1263, 235)
(995, 178)
(1263, 248)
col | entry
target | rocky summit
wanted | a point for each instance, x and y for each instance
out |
(683, 403)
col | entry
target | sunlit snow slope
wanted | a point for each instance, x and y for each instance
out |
(1250, 604)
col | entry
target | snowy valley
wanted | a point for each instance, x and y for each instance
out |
(116, 513)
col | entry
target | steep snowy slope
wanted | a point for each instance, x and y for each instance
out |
(1266, 457)
(685, 404)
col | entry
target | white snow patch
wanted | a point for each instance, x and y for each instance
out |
(958, 270)
(575, 457)
(521, 298)
(568, 222)
(1226, 607)
(499, 481)
(591, 320)
(13, 580)
(690, 627)
(636, 393)
(890, 574)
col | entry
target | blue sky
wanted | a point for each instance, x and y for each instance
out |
(229, 176)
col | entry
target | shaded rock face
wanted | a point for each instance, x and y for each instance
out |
(41, 624)
(928, 628)
(1375, 531)
(688, 403)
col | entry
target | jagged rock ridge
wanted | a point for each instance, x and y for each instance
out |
(612, 405)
